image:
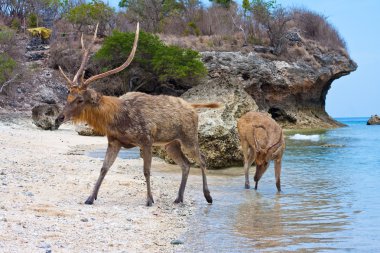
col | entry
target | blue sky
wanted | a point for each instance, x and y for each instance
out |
(357, 94)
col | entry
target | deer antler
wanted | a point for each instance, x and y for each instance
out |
(86, 55)
(84, 60)
(64, 75)
(118, 69)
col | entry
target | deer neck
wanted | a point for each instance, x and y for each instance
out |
(101, 115)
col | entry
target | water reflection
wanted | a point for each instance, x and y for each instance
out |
(290, 221)
(330, 200)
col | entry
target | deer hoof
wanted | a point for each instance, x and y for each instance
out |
(247, 186)
(178, 200)
(149, 201)
(89, 201)
(208, 199)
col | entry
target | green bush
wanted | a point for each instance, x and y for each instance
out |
(177, 63)
(6, 36)
(165, 62)
(16, 24)
(192, 28)
(7, 65)
(32, 20)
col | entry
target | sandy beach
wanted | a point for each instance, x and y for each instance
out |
(45, 177)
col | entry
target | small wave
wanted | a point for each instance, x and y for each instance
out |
(302, 137)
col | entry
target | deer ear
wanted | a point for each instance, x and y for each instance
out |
(92, 96)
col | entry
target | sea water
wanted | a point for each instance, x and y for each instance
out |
(330, 200)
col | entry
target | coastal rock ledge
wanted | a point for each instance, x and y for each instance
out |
(293, 89)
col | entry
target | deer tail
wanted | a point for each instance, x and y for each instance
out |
(206, 105)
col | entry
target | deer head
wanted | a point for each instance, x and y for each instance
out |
(80, 96)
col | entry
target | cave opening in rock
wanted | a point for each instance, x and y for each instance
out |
(280, 115)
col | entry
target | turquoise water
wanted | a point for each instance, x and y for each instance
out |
(330, 200)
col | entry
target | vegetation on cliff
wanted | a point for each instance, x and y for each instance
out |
(7, 63)
(159, 62)
(282, 40)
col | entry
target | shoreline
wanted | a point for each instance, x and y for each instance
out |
(45, 179)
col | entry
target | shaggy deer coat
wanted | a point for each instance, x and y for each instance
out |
(261, 141)
(136, 119)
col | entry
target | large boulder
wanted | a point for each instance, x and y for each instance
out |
(44, 116)
(218, 137)
(374, 120)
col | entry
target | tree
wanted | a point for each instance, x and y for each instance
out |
(21, 9)
(224, 3)
(246, 7)
(161, 63)
(150, 13)
(274, 18)
(277, 29)
(91, 13)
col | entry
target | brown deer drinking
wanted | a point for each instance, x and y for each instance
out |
(261, 140)
(136, 119)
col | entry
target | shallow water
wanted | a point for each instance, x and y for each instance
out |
(330, 201)
(132, 153)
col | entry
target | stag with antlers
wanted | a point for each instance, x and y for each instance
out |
(136, 119)
(261, 141)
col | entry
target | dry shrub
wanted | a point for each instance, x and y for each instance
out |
(174, 25)
(316, 27)
(123, 23)
(3, 20)
(207, 43)
(68, 56)
(8, 41)
(65, 47)
(216, 20)
(299, 52)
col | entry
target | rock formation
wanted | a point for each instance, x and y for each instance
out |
(374, 120)
(292, 87)
(218, 137)
(44, 116)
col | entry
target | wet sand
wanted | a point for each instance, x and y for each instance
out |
(45, 179)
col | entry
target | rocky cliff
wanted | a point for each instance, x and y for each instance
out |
(292, 89)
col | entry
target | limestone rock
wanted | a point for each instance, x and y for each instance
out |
(374, 120)
(44, 116)
(86, 130)
(218, 137)
(292, 89)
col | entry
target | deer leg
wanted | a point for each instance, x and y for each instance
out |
(256, 177)
(174, 151)
(277, 173)
(147, 156)
(193, 152)
(248, 160)
(111, 154)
